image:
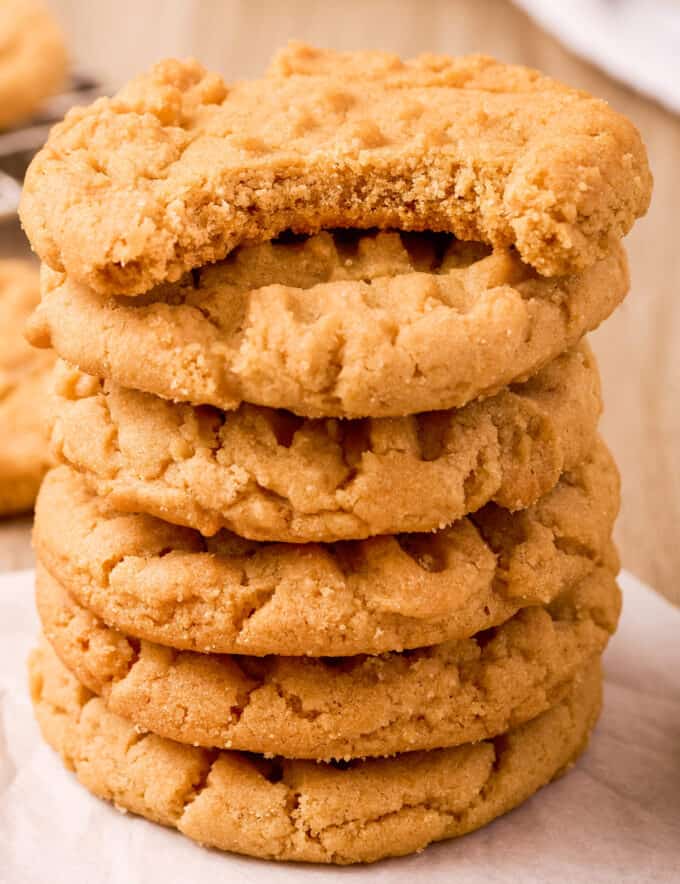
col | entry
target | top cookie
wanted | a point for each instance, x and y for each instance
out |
(177, 169)
(32, 58)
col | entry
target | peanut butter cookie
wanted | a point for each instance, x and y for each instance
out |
(172, 586)
(32, 59)
(268, 475)
(24, 399)
(344, 325)
(178, 168)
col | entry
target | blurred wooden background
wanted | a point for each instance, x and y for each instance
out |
(639, 360)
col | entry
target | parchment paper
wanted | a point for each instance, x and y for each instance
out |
(614, 818)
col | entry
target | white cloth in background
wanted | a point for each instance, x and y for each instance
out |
(615, 817)
(636, 41)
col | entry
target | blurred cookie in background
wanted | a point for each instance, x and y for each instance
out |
(37, 87)
(24, 382)
(33, 59)
(33, 68)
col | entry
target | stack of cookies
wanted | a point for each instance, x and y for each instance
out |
(326, 572)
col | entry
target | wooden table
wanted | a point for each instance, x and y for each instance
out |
(639, 360)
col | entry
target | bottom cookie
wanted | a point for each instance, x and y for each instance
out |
(300, 810)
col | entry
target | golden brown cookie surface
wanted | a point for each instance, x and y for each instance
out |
(343, 324)
(24, 392)
(346, 707)
(435, 143)
(169, 585)
(297, 810)
(32, 59)
(268, 475)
